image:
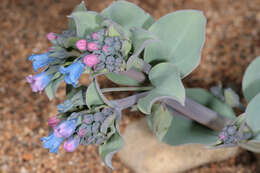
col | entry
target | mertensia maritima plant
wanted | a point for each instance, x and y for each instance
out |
(126, 45)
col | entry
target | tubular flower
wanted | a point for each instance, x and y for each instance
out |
(72, 73)
(39, 81)
(71, 144)
(51, 36)
(52, 142)
(66, 128)
(40, 60)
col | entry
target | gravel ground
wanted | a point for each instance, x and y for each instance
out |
(233, 40)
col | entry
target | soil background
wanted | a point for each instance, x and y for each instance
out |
(233, 40)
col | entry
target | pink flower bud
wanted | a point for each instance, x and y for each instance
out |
(81, 45)
(71, 144)
(91, 60)
(93, 46)
(51, 36)
(105, 48)
(81, 132)
(53, 121)
(95, 36)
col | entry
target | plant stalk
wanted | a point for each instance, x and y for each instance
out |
(191, 110)
(105, 90)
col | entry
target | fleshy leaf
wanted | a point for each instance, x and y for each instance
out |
(140, 39)
(80, 7)
(251, 80)
(86, 22)
(165, 77)
(253, 114)
(182, 36)
(251, 145)
(92, 96)
(159, 120)
(185, 131)
(231, 98)
(128, 15)
(122, 79)
(207, 99)
(107, 150)
(52, 87)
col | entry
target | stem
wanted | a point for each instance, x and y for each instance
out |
(105, 90)
(191, 110)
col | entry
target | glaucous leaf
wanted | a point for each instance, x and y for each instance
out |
(159, 120)
(92, 96)
(207, 99)
(253, 114)
(251, 145)
(251, 80)
(128, 15)
(165, 77)
(181, 37)
(231, 98)
(107, 150)
(122, 79)
(140, 39)
(185, 131)
(52, 87)
(86, 22)
(80, 7)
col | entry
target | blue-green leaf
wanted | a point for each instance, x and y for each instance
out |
(122, 79)
(253, 114)
(86, 22)
(128, 15)
(165, 77)
(251, 80)
(159, 120)
(92, 96)
(80, 7)
(52, 87)
(182, 36)
(185, 131)
(107, 150)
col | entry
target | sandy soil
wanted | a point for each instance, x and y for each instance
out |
(233, 40)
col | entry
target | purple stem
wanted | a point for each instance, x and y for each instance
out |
(191, 110)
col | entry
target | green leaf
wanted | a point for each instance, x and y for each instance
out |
(251, 145)
(207, 99)
(107, 150)
(231, 98)
(165, 77)
(159, 120)
(182, 36)
(253, 114)
(185, 131)
(80, 7)
(71, 42)
(86, 22)
(140, 39)
(128, 15)
(92, 96)
(251, 80)
(52, 87)
(122, 79)
(71, 91)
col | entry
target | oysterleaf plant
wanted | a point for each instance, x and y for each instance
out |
(125, 44)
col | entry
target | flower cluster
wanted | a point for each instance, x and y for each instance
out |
(70, 56)
(80, 128)
(231, 135)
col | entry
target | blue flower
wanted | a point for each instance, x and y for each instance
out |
(39, 81)
(52, 142)
(40, 60)
(72, 73)
(66, 128)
